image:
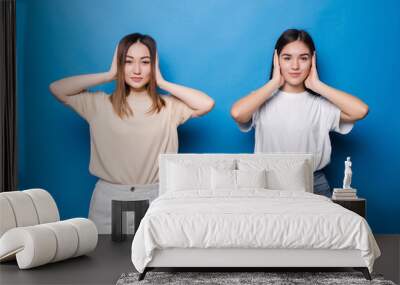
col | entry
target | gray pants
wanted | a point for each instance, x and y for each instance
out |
(321, 184)
(104, 192)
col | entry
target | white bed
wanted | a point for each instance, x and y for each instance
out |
(201, 220)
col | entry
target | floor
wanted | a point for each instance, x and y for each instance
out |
(102, 266)
(111, 259)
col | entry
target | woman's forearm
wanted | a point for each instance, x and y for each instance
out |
(353, 108)
(195, 99)
(75, 84)
(243, 109)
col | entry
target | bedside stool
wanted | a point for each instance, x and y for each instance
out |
(118, 207)
(355, 205)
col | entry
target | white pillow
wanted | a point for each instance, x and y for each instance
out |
(292, 179)
(281, 174)
(237, 179)
(182, 177)
(196, 175)
(223, 179)
(251, 178)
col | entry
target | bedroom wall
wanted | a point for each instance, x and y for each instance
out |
(224, 48)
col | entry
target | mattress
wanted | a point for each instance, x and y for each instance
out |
(250, 219)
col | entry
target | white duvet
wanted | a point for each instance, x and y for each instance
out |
(252, 218)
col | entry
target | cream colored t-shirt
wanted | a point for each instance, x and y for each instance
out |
(125, 151)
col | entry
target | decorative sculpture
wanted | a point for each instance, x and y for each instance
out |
(348, 173)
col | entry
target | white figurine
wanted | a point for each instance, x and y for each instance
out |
(347, 174)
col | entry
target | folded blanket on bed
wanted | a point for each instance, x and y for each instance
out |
(250, 218)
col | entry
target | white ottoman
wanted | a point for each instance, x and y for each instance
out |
(31, 232)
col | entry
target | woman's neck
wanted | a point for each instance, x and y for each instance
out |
(293, 88)
(138, 93)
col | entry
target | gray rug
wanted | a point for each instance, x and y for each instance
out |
(243, 278)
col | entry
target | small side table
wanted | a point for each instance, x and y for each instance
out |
(356, 205)
(118, 207)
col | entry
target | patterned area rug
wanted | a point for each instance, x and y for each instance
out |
(243, 278)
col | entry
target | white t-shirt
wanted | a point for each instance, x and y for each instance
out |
(296, 122)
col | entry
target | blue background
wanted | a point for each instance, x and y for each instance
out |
(225, 49)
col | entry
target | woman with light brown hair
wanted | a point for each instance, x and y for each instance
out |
(132, 126)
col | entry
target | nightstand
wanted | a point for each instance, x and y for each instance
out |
(355, 205)
(118, 207)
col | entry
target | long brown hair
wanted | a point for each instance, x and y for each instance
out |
(118, 98)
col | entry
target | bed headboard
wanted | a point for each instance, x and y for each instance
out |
(164, 159)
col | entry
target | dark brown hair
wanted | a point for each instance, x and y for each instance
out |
(118, 98)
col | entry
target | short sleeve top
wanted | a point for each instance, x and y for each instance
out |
(296, 122)
(125, 151)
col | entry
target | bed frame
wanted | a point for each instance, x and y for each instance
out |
(241, 259)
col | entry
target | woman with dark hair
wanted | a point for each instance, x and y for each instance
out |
(132, 126)
(295, 111)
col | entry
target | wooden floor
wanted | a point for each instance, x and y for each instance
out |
(111, 259)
